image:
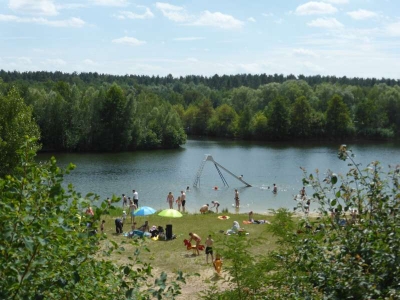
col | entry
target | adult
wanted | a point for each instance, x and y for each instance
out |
(235, 228)
(183, 199)
(303, 193)
(145, 226)
(275, 189)
(118, 225)
(124, 200)
(204, 209)
(170, 200)
(209, 250)
(216, 205)
(237, 201)
(135, 198)
(197, 239)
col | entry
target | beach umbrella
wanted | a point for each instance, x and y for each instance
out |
(171, 213)
(144, 211)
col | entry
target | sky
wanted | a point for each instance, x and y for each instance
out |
(353, 38)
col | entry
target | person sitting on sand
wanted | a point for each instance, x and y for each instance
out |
(204, 209)
(144, 227)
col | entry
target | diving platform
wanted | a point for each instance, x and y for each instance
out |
(208, 157)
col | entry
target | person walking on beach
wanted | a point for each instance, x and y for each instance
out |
(209, 250)
(197, 239)
(237, 201)
(135, 198)
(183, 200)
(170, 200)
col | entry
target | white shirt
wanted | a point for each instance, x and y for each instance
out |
(135, 196)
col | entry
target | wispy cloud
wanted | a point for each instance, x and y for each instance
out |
(128, 41)
(117, 3)
(337, 1)
(304, 52)
(56, 62)
(393, 29)
(191, 38)
(362, 14)
(267, 14)
(315, 8)
(173, 12)
(251, 19)
(147, 14)
(71, 22)
(89, 62)
(33, 7)
(217, 19)
(330, 23)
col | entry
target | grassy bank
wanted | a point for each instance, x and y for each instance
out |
(172, 255)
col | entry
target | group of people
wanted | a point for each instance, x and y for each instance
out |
(180, 201)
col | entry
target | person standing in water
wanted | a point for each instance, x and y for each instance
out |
(275, 189)
(183, 199)
(237, 201)
(170, 200)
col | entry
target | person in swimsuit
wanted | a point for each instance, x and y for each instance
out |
(209, 250)
(216, 205)
(197, 239)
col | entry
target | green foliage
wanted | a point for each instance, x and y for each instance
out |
(278, 119)
(224, 122)
(300, 118)
(49, 248)
(16, 122)
(337, 117)
(349, 252)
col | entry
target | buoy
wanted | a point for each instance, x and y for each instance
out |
(215, 188)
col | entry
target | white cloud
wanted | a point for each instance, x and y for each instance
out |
(173, 12)
(57, 62)
(191, 38)
(304, 52)
(128, 41)
(147, 14)
(315, 8)
(24, 60)
(117, 3)
(33, 7)
(278, 21)
(337, 1)
(393, 29)
(89, 62)
(311, 66)
(251, 19)
(267, 14)
(192, 59)
(71, 22)
(217, 19)
(362, 14)
(330, 23)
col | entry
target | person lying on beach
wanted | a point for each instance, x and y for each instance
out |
(235, 228)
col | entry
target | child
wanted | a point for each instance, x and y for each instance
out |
(123, 216)
(209, 250)
(102, 226)
(179, 202)
(218, 264)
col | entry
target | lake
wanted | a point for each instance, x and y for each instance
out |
(154, 173)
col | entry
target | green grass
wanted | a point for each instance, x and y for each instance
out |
(172, 255)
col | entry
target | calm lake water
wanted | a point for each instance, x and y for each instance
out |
(154, 173)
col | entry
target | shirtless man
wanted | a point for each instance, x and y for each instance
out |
(237, 201)
(209, 250)
(197, 239)
(170, 200)
(183, 200)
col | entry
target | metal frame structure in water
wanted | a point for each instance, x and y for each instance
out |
(208, 157)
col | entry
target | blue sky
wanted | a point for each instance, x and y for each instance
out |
(354, 38)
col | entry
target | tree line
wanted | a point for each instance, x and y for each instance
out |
(125, 115)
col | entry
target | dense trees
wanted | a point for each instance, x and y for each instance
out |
(16, 122)
(89, 112)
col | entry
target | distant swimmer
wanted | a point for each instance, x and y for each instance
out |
(275, 189)
(240, 177)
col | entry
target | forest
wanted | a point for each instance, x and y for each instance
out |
(100, 112)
